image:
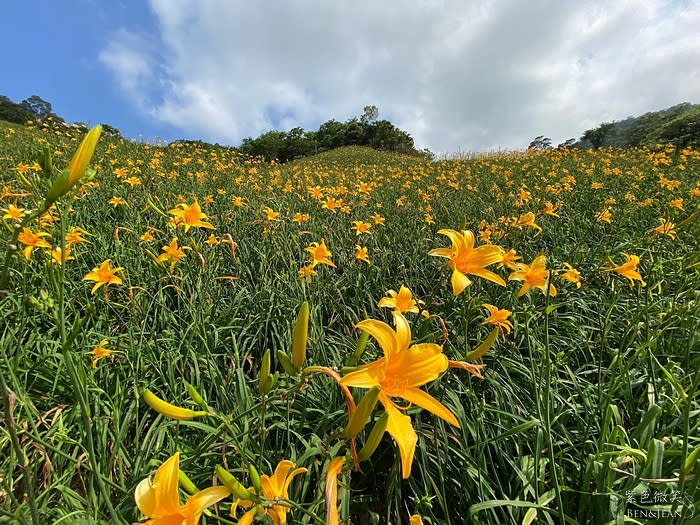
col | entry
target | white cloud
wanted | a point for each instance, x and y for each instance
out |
(456, 75)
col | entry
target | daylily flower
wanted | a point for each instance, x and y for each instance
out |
(465, 259)
(400, 373)
(572, 275)
(75, 236)
(57, 255)
(104, 274)
(627, 269)
(361, 227)
(361, 254)
(401, 302)
(604, 216)
(100, 352)
(159, 500)
(533, 275)
(172, 253)
(116, 201)
(32, 240)
(319, 254)
(13, 212)
(273, 487)
(271, 215)
(189, 216)
(526, 220)
(305, 272)
(332, 472)
(665, 228)
(498, 318)
(509, 259)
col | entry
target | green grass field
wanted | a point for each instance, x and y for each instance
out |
(587, 411)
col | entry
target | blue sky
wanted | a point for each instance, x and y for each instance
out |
(52, 50)
(458, 76)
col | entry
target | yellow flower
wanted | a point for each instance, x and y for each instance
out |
(597, 185)
(56, 255)
(415, 520)
(533, 275)
(509, 259)
(332, 472)
(665, 228)
(467, 260)
(75, 236)
(678, 203)
(378, 219)
(13, 212)
(429, 219)
(361, 254)
(572, 275)
(100, 352)
(103, 274)
(361, 227)
(159, 499)
(400, 373)
(526, 220)
(305, 272)
(300, 217)
(498, 318)
(32, 240)
(189, 216)
(271, 215)
(273, 487)
(147, 237)
(604, 216)
(550, 209)
(401, 302)
(212, 240)
(172, 253)
(319, 254)
(116, 201)
(627, 269)
(133, 181)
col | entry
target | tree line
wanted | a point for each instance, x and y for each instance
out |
(678, 125)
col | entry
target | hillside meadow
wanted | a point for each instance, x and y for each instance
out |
(191, 335)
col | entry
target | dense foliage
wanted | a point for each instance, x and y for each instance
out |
(184, 265)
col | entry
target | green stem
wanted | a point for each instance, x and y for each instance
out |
(21, 458)
(548, 401)
(78, 386)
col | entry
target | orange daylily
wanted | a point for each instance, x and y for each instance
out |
(401, 302)
(189, 216)
(158, 499)
(627, 269)
(400, 373)
(533, 275)
(465, 259)
(319, 254)
(103, 274)
(32, 240)
(273, 488)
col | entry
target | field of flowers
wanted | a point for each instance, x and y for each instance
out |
(192, 336)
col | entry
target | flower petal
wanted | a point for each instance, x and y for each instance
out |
(418, 365)
(399, 427)
(459, 282)
(383, 333)
(203, 499)
(429, 403)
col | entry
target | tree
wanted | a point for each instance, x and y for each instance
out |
(370, 114)
(13, 112)
(37, 106)
(540, 143)
(597, 136)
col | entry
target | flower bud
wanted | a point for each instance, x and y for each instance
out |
(301, 330)
(362, 412)
(231, 483)
(166, 409)
(374, 438)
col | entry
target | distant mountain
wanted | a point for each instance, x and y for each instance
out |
(678, 125)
